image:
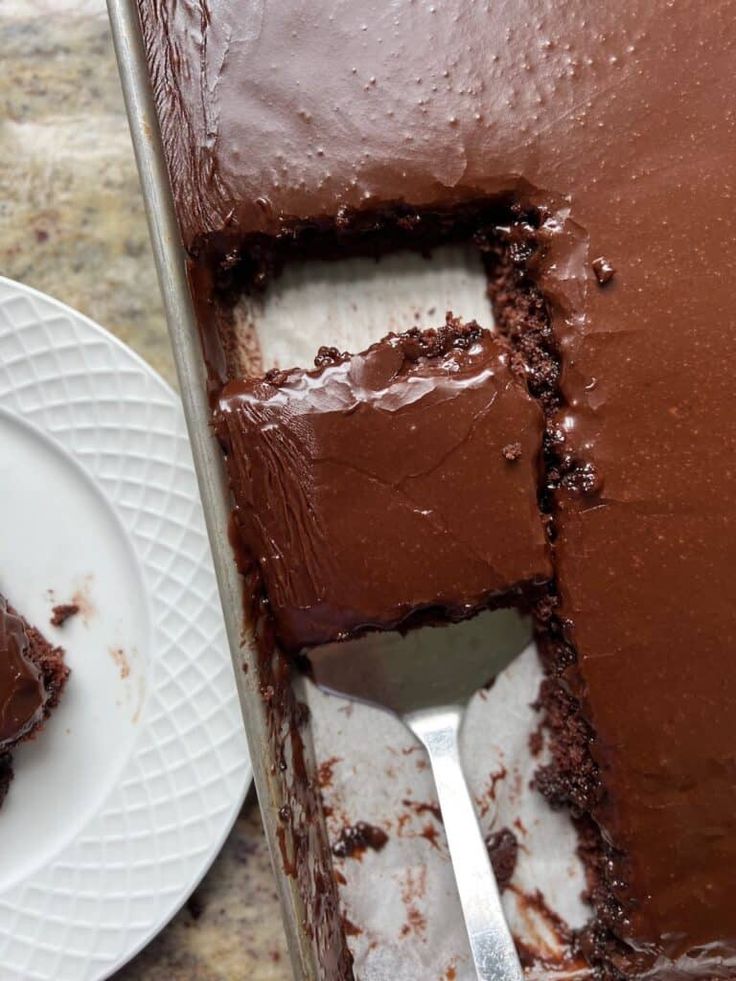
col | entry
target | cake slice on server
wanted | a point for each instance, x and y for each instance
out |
(389, 487)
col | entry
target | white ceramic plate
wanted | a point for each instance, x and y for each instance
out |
(119, 807)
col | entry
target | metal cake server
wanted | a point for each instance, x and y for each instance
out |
(426, 678)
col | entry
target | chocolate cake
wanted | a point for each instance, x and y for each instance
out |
(589, 150)
(381, 486)
(32, 676)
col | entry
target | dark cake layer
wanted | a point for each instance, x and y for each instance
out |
(32, 675)
(389, 483)
(616, 123)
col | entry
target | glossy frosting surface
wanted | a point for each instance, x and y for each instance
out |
(387, 483)
(619, 120)
(22, 694)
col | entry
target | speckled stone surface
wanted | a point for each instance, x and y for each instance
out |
(72, 224)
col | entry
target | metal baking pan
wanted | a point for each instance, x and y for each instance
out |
(379, 778)
(170, 263)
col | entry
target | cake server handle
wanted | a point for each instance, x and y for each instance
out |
(490, 939)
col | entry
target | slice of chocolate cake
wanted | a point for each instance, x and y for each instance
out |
(387, 485)
(32, 677)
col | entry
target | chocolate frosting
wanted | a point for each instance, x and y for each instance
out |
(22, 693)
(617, 121)
(376, 486)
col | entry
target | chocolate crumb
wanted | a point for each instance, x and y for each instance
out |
(503, 849)
(604, 271)
(511, 452)
(276, 377)
(62, 612)
(327, 356)
(536, 742)
(354, 840)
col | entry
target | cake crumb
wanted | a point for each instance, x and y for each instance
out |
(511, 452)
(603, 269)
(326, 356)
(536, 742)
(503, 850)
(63, 612)
(353, 840)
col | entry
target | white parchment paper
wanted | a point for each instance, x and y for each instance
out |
(401, 900)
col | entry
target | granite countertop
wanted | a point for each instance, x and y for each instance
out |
(72, 224)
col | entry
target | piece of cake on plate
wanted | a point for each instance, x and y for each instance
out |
(32, 678)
